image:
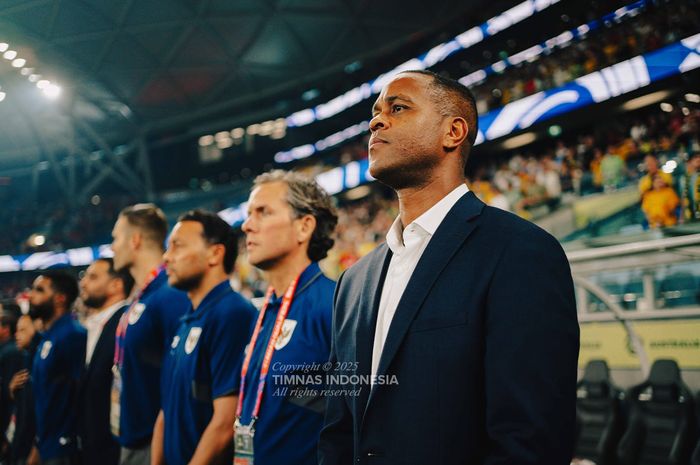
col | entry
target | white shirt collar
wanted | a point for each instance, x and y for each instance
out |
(428, 222)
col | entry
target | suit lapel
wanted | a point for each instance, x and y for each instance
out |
(448, 238)
(367, 317)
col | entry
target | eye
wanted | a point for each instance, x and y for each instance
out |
(396, 108)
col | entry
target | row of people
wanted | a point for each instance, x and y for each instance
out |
(455, 342)
(160, 374)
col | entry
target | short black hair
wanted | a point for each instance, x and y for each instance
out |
(216, 231)
(454, 99)
(64, 283)
(8, 319)
(123, 275)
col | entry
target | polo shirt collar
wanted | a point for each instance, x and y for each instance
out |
(216, 292)
(307, 275)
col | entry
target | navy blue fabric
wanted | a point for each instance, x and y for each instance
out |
(286, 431)
(97, 444)
(483, 345)
(58, 364)
(145, 345)
(203, 364)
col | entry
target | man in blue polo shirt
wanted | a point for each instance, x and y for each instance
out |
(144, 331)
(288, 230)
(57, 368)
(201, 374)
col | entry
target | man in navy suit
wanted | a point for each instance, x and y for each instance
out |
(462, 327)
(104, 291)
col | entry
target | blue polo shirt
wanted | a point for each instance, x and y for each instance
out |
(203, 364)
(152, 324)
(58, 364)
(288, 432)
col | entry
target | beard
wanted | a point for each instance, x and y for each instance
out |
(95, 301)
(43, 311)
(189, 283)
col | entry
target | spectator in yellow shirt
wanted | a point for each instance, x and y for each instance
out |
(652, 168)
(660, 203)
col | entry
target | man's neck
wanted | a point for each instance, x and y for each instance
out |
(284, 272)
(145, 262)
(414, 201)
(209, 281)
(108, 303)
(56, 316)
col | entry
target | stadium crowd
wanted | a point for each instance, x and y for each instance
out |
(657, 25)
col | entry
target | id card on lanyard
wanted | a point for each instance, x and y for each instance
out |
(244, 434)
(116, 391)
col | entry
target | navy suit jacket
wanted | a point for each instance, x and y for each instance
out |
(97, 443)
(484, 346)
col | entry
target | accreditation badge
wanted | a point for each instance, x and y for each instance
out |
(115, 401)
(11, 427)
(243, 444)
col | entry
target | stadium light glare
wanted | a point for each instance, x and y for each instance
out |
(669, 167)
(42, 84)
(645, 100)
(2, 96)
(34, 77)
(26, 71)
(52, 91)
(667, 107)
(205, 141)
(37, 240)
(9, 55)
(4, 46)
(519, 141)
(18, 62)
(692, 98)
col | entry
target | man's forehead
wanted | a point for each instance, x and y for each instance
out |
(268, 192)
(410, 86)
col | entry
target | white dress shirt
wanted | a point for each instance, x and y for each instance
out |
(407, 246)
(94, 324)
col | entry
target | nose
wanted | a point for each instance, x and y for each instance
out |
(246, 227)
(166, 256)
(377, 122)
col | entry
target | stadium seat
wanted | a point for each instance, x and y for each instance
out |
(679, 290)
(599, 422)
(661, 425)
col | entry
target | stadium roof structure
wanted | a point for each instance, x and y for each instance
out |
(127, 69)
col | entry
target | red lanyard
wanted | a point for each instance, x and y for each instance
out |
(276, 330)
(124, 320)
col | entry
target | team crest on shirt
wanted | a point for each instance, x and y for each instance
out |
(286, 334)
(176, 341)
(45, 349)
(192, 339)
(136, 312)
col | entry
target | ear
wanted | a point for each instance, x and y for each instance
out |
(216, 254)
(305, 228)
(136, 240)
(59, 300)
(456, 133)
(115, 286)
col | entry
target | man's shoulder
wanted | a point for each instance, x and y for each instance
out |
(231, 304)
(364, 265)
(504, 226)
